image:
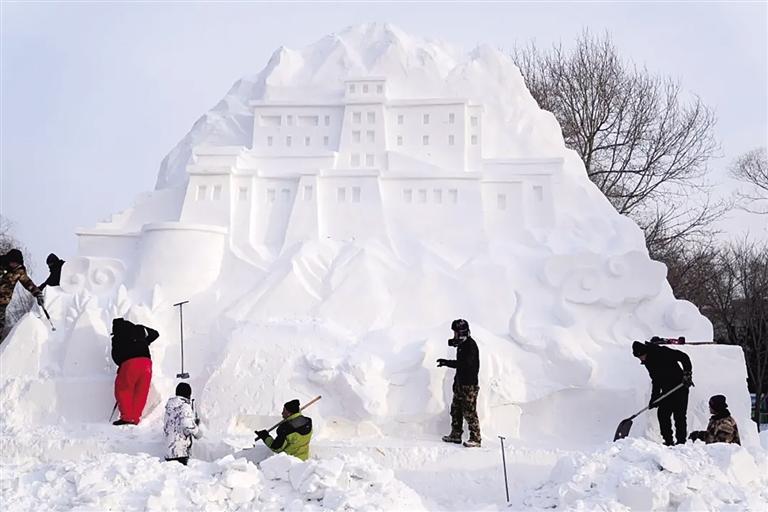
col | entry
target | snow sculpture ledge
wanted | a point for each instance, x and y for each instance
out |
(331, 216)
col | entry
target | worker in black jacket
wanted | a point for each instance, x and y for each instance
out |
(465, 387)
(667, 368)
(130, 352)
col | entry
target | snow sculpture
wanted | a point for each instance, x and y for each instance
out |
(331, 216)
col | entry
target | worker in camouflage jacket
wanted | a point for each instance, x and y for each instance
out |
(181, 425)
(12, 270)
(722, 427)
(465, 385)
(293, 434)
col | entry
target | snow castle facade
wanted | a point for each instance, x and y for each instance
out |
(365, 166)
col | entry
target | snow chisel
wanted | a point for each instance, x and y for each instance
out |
(273, 427)
(48, 317)
(183, 374)
(623, 429)
(504, 463)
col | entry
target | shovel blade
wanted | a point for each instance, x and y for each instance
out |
(623, 429)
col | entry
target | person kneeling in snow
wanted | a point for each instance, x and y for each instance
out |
(722, 427)
(181, 425)
(293, 434)
(130, 352)
(465, 387)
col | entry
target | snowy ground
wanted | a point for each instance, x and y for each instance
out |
(93, 467)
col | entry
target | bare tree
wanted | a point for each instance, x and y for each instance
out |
(21, 303)
(738, 307)
(752, 169)
(644, 142)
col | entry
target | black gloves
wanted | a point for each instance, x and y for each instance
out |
(262, 434)
(688, 379)
(651, 404)
(40, 300)
(197, 421)
(441, 362)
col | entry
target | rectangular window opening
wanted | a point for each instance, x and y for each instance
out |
(356, 136)
(451, 118)
(216, 192)
(370, 160)
(307, 192)
(538, 192)
(270, 195)
(355, 194)
(341, 194)
(307, 141)
(408, 195)
(355, 160)
(501, 201)
(370, 136)
(422, 195)
(357, 117)
(371, 117)
(437, 194)
(201, 191)
(426, 118)
(285, 195)
(425, 140)
(270, 140)
(243, 193)
(451, 140)
(400, 118)
(399, 140)
(454, 195)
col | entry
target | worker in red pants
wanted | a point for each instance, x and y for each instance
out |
(130, 352)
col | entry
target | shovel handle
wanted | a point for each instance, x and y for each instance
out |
(662, 397)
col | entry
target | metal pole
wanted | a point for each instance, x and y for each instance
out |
(183, 374)
(504, 463)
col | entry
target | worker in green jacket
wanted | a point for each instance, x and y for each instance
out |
(293, 434)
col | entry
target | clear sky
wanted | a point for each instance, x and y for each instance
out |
(95, 95)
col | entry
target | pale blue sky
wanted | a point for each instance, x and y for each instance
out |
(95, 95)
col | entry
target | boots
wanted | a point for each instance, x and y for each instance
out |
(472, 443)
(451, 438)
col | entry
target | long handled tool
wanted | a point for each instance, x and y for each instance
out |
(183, 374)
(48, 317)
(504, 463)
(624, 427)
(113, 412)
(273, 427)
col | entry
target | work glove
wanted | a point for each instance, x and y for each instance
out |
(262, 434)
(688, 379)
(441, 362)
(652, 403)
(40, 300)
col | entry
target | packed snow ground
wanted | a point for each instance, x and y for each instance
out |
(99, 467)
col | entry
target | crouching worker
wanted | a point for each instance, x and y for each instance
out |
(293, 434)
(722, 427)
(130, 352)
(181, 425)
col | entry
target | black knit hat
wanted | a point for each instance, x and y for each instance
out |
(51, 259)
(639, 349)
(183, 389)
(292, 407)
(15, 256)
(718, 403)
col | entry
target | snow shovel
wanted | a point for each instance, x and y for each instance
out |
(623, 429)
(273, 427)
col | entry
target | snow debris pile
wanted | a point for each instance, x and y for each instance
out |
(141, 482)
(636, 474)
